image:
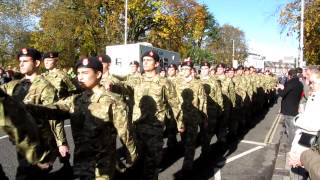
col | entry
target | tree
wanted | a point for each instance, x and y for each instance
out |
(85, 27)
(184, 26)
(222, 47)
(290, 21)
(15, 25)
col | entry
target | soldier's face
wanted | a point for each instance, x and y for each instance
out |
(27, 65)
(105, 67)
(230, 74)
(204, 71)
(220, 70)
(162, 73)
(134, 68)
(240, 72)
(149, 64)
(49, 63)
(186, 71)
(88, 78)
(212, 72)
(171, 72)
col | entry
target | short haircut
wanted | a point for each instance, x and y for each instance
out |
(292, 72)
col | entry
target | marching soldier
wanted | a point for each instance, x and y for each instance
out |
(109, 81)
(193, 105)
(214, 105)
(95, 115)
(229, 99)
(249, 100)
(132, 79)
(23, 131)
(134, 76)
(172, 72)
(58, 78)
(64, 87)
(34, 89)
(152, 96)
(237, 117)
(171, 126)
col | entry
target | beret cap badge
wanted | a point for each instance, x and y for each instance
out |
(24, 51)
(85, 62)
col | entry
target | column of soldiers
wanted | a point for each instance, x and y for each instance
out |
(141, 109)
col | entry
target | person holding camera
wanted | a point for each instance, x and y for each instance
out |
(308, 127)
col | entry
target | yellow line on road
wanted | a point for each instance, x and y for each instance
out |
(272, 130)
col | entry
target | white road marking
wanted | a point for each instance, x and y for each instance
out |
(5, 136)
(254, 142)
(243, 154)
(217, 175)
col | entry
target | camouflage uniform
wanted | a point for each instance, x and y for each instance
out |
(229, 102)
(152, 96)
(271, 84)
(109, 79)
(254, 81)
(22, 130)
(193, 105)
(39, 91)
(131, 81)
(249, 98)
(260, 92)
(96, 118)
(60, 80)
(213, 92)
(171, 125)
(238, 116)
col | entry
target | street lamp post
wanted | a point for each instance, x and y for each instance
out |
(126, 23)
(232, 50)
(301, 34)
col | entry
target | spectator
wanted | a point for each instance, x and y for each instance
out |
(305, 81)
(291, 93)
(307, 123)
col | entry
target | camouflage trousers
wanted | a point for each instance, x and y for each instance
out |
(223, 122)
(189, 139)
(236, 119)
(171, 133)
(206, 133)
(27, 171)
(150, 148)
(95, 165)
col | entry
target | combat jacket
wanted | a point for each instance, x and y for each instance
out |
(61, 82)
(227, 87)
(214, 94)
(153, 98)
(39, 91)
(193, 102)
(22, 129)
(95, 119)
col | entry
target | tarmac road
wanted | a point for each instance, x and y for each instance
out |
(252, 157)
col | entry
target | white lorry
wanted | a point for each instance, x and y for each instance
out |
(122, 55)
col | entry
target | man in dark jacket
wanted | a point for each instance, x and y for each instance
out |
(291, 93)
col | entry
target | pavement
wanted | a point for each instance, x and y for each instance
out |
(282, 170)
